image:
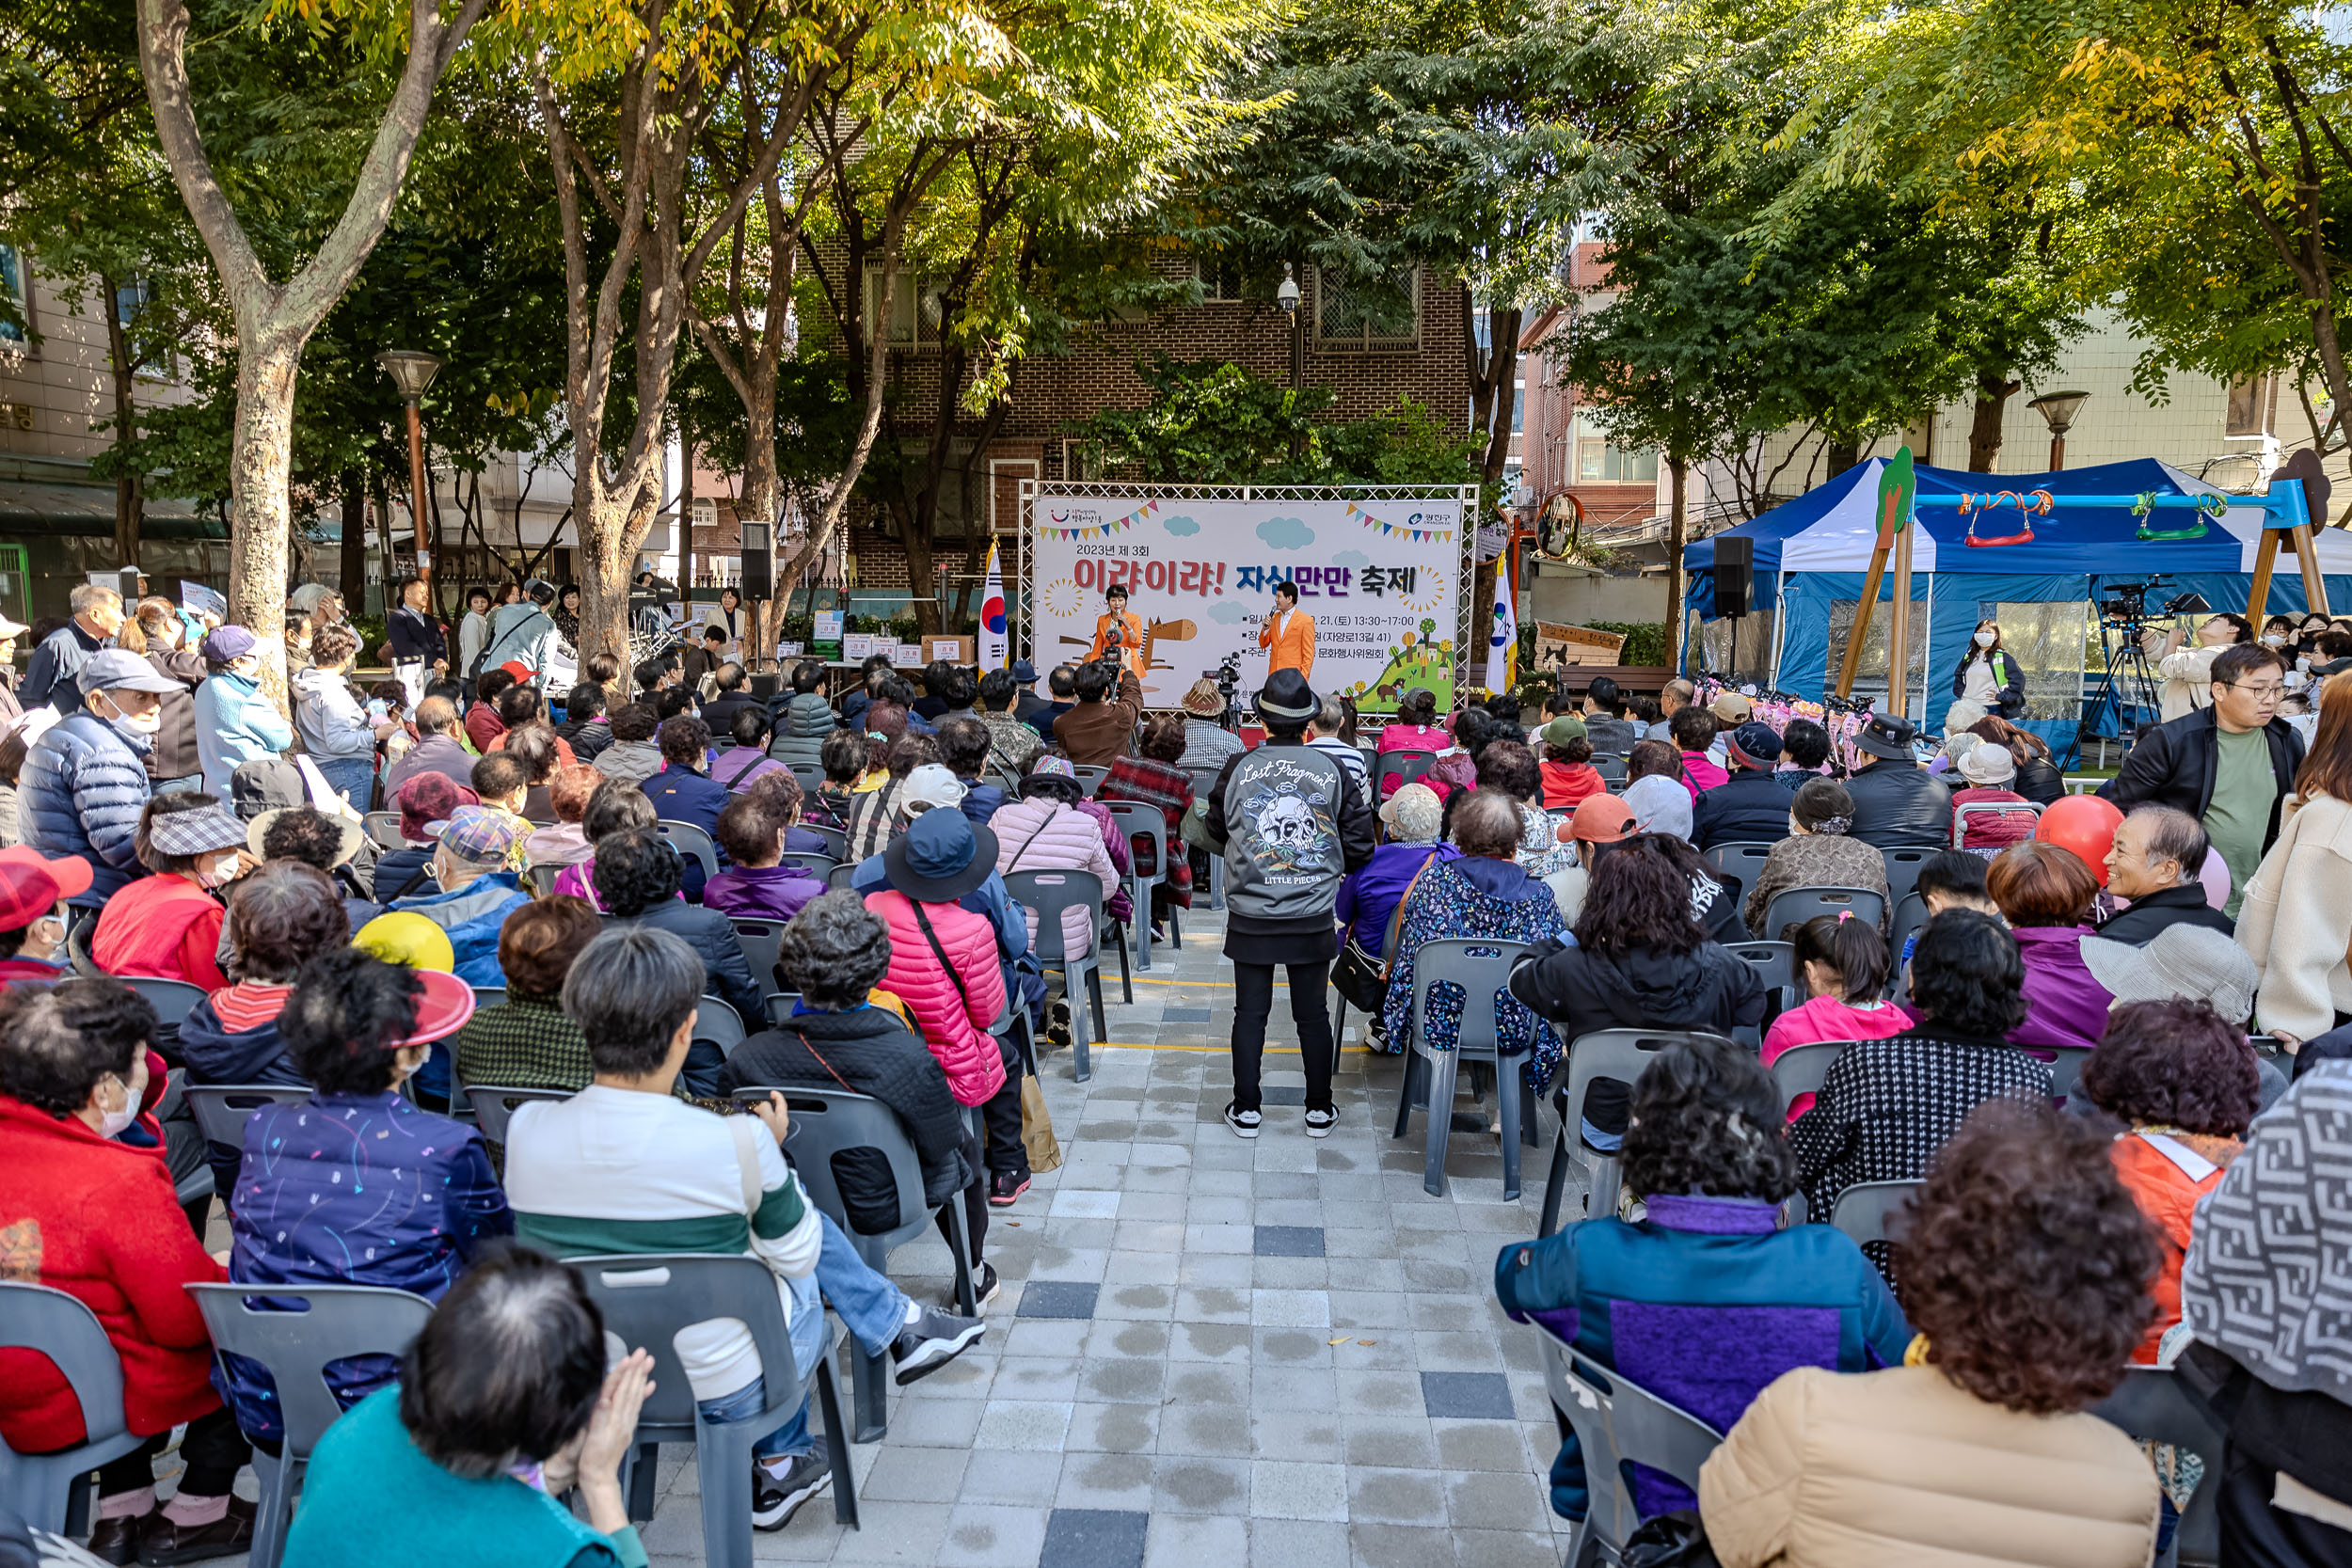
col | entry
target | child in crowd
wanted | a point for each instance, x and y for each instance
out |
(1953, 880)
(1843, 963)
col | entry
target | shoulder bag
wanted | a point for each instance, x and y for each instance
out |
(1361, 978)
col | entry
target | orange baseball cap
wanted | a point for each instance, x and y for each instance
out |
(1602, 820)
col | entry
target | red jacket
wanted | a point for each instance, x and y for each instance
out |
(161, 926)
(99, 1221)
(955, 1031)
(1568, 783)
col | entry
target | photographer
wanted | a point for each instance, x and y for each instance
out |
(2187, 670)
(1101, 728)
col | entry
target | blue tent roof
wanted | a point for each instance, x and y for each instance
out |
(1832, 527)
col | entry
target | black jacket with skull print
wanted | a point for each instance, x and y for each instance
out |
(1294, 824)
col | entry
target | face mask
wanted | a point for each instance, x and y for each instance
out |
(136, 728)
(1984, 640)
(2303, 666)
(2274, 640)
(113, 1123)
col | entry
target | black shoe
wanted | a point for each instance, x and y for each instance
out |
(1320, 1120)
(775, 1498)
(1005, 1188)
(117, 1540)
(931, 1341)
(984, 1286)
(164, 1541)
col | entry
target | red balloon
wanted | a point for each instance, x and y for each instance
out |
(2085, 824)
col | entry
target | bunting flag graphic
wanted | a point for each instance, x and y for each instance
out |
(1097, 530)
(1411, 529)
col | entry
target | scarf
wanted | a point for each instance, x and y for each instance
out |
(2273, 1242)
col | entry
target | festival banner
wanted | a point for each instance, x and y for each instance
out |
(1379, 577)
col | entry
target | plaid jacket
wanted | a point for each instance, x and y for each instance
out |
(1154, 783)
(522, 1044)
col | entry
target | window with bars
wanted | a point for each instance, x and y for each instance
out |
(1368, 315)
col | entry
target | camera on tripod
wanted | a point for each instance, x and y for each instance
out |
(2127, 605)
(1228, 678)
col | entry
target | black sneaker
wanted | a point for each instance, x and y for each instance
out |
(1243, 1123)
(775, 1498)
(983, 1287)
(1320, 1120)
(932, 1341)
(1005, 1188)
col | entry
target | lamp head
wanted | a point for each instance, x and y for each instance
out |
(2058, 410)
(411, 370)
(1287, 296)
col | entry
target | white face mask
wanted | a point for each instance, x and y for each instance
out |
(2303, 666)
(114, 1123)
(1984, 639)
(2274, 639)
(146, 723)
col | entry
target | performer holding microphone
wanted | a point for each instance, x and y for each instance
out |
(1119, 632)
(1288, 634)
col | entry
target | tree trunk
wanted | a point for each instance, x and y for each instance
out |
(130, 497)
(351, 578)
(922, 580)
(1502, 330)
(1994, 390)
(1677, 530)
(260, 464)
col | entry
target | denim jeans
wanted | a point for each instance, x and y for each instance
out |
(353, 778)
(870, 1307)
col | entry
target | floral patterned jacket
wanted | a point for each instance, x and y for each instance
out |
(1474, 897)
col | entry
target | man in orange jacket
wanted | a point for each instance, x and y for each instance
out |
(1288, 634)
(1119, 631)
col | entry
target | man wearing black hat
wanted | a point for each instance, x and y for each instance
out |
(1897, 803)
(1750, 807)
(1294, 824)
(1027, 705)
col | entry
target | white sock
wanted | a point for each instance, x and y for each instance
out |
(913, 1315)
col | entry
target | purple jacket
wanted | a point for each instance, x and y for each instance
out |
(762, 892)
(1369, 896)
(2065, 1006)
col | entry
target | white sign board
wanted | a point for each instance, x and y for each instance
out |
(202, 600)
(1379, 578)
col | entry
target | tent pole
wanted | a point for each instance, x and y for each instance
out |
(1926, 651)
(1780, 625)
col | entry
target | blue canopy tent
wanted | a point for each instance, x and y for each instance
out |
(1816, 549)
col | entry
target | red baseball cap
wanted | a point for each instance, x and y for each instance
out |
(31, 884)
(1602, 820)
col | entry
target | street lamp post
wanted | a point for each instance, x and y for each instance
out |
(1287, 297)
(2057, 411)
(412, 371)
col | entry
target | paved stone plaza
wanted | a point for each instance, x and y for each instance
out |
(1209, 1352)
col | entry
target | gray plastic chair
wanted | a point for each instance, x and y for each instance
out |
(1618, 1054)
(1910, 912)
(1204, 783)
(2066, 1070)
(1742, 860)
(1776, 966)
(223, 1109)
(1903, 871)
(50, 1491)
(494, 1105)
(1408, 763)
(1802, 1068)
(171, 999)
(780, 1006)
(1090, 777)
(1613, 769)
(334, 1324)
(690, 841)
(832, 1121)
(195, 1190)
(645, 1299)
(1138, 820)
(2152, 1405)
(1984, 808)
(542, 878)
(383, 828)
(808, 860)
(1481, 966)
(718, 1023)
(1616, 1424)
(1873, 1211)
(760, 940)
(489, 997)
(77, 952)
(1049, 893)
(836, 842)
(840, 876)
(1795, 906)
(811, 780)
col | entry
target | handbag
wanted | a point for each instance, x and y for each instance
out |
(1676, 1539)
(1361, 979)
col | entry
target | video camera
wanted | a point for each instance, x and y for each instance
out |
(2128, 602)
(1228, 678)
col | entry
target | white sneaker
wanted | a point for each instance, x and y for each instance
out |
(1243, 1123)
(1320, 1122)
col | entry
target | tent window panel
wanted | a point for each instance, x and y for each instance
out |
(1752, 661)
(2053, 642)
(1870, 674)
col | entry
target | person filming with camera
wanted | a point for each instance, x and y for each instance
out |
(2186, 665)
(2229, 763)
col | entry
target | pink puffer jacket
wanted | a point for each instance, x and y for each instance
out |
(956, 1032)
(1039, 834)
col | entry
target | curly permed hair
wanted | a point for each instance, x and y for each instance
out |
(1707, 1119)
(2027, 1263)
(2175, 1064)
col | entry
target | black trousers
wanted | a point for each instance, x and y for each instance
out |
(1253, 1002)
(214, 1450)
(2255, 1534)
(974, 1198)
(1001, 1113)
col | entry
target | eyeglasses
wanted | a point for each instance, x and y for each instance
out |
(2268, 690)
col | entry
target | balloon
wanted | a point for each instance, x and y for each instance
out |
(2214, 875)
(2085, 824)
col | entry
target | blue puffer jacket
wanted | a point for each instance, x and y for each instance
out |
(81, 791)
(235, 723)
(803, 726)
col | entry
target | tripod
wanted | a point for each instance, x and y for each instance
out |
(2129, 683)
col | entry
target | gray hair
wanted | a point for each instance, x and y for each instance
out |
(88, 597)
(835, 951)
(1489, 823)
(2174, 835)
(1329, 717)
(628, 992)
